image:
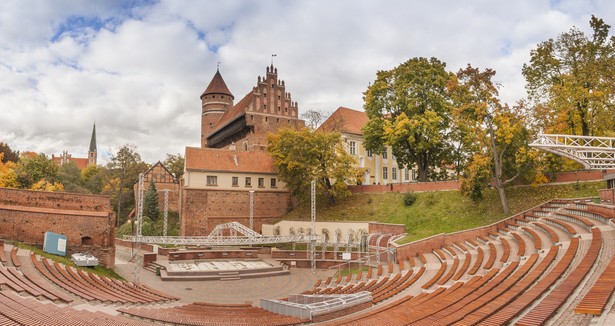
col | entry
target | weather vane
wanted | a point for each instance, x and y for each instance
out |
(218, 65)
(273, 55)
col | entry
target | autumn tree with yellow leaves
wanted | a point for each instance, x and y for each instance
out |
(498, 131)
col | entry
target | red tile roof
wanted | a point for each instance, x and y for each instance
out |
(81, 163)
(217, 86)
(209, 159)
(345, 120)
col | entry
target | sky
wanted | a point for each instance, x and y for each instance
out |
(137, 68)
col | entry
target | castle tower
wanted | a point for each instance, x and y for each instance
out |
(92, 153)
(215, 101)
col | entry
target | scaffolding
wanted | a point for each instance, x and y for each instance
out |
(596, 153)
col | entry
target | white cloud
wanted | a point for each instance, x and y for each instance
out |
(138, 71)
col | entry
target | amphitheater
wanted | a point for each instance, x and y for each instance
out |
(552, 265)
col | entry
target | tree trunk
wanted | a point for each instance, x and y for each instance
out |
(423, 167)
(497, 163)
(502, 194)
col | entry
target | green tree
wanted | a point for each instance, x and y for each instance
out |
(121, 174)
(571, 81)
(409, 108)
(499, 130)
(70, 176)
(175, 164)
(8, 154)
(150, 204)
(34, 168)
(93, 178)
(301, 156)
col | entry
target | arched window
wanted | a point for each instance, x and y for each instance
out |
(87, 241)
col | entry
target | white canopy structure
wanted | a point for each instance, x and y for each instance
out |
(596, 153)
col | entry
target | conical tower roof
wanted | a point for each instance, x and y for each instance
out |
(217, 86)
(93, 140)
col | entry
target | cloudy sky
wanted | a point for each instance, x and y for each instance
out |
(137, 68)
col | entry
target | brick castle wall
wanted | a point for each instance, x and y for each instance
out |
(203, 209)
(87, 221)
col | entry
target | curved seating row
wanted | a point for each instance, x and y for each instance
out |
(92, 287)
(200, 313)
(503, 293)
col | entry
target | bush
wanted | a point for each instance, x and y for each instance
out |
(409, 198)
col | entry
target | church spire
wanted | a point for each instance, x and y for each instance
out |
(92, 153)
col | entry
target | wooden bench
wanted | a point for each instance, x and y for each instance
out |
(450, 273)
(478, 262)
(520, 244)
(554, 237)
(492, 255)
(599, 294)
(506, 252)
(436, 277)
(534, 235)
(14, 258)
(554, 300)
(464, 267)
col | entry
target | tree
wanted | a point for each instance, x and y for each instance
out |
(314, 118)
(70, 176)
(498, 129)
(175, 164)
(93, 178)
(409, 108)
(8, 154)
(150, 204)
(122, 173)
(571, 81)
(8, 174)
(34, 168)
(301, 156)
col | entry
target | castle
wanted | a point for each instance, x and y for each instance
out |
(231, 170)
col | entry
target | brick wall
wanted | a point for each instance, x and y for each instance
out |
(607, 196)
(561, 177)
(606, 210)
(406, 187)
(203, 209)
(386, 228)
(26, 215)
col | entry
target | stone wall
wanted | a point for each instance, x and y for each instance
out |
(87, 221)
(203, 209)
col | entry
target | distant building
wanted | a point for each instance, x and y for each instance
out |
(82, 163)
(380, 168)
(232, 161)
(244, 126)
(217, 185)
(164, 181)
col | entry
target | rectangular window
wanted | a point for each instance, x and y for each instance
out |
(261, 182)
(385, 173)
(407, 174)
(385, 154)
(235, 181)
(248, 182)
(370, 154)
(353, 148)
(274, 183)
(394, 173)
(212, 180)
(414, 174)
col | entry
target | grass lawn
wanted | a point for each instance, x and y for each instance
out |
(440, 212)
(100, 270)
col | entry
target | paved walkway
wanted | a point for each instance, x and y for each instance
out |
(236, 291)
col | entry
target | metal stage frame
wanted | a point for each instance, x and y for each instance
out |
(595, 153)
